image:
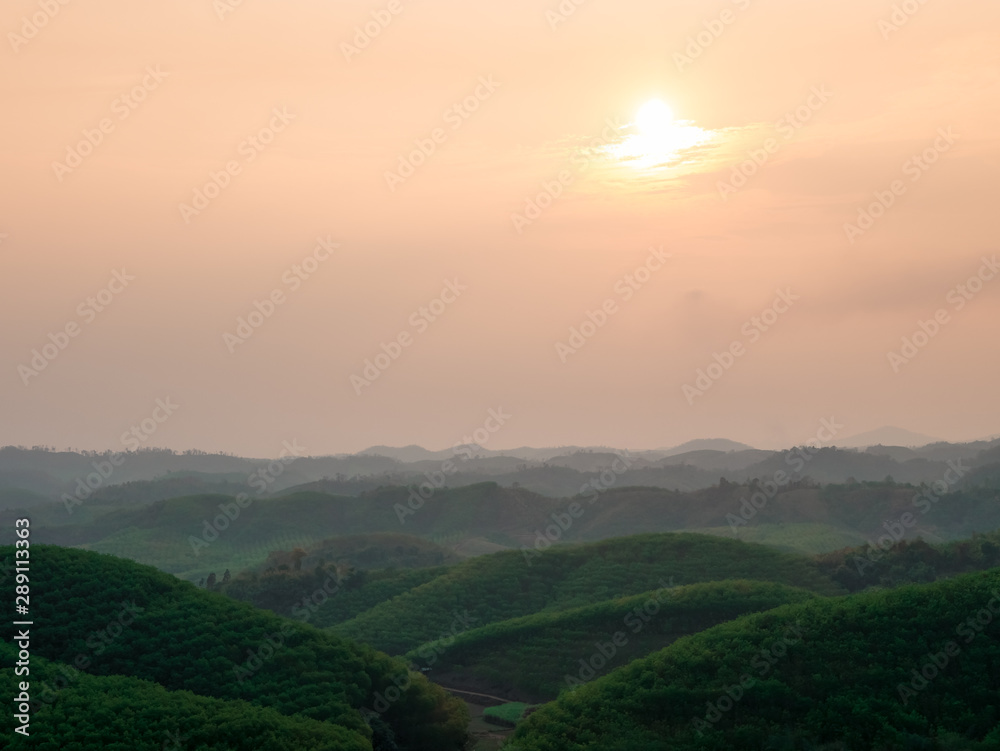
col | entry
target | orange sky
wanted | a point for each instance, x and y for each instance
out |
(835, 100)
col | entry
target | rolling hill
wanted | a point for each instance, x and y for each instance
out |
(907, 668)
(535, 657)
(119, 713)
(490, 589)
(108, 617)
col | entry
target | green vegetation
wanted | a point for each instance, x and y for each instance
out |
(329, 593)
(332, 579)
(177, 536)
(909, 668)
(908, 562)
(540, 655)
(371, 551)
(508, 714)
(368, 589)
(494, 588)
(71, 709)
(807, 538)
(113, 617)
(170, 534)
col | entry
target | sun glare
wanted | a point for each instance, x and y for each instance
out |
(658, 139)
(654, 117)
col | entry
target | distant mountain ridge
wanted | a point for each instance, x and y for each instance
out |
(887, 436)
(35, 478)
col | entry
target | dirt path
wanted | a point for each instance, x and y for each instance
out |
(474, 693)
(483, 735)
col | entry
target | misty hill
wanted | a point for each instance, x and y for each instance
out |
(193, 536)
(494, 588)
(382, 565)
(381, 550)
(133, 620)
(888, 435)
(906, 668)
(284, 592)
(29, 477)
(717, 461)
(705, 444)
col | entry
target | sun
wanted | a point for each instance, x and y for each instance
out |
(659, 139)
(654, 117)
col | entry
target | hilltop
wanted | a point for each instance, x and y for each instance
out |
(912, 667)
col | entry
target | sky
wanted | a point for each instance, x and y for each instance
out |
(237, 223)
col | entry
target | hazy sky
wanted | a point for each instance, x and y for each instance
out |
(169, 166)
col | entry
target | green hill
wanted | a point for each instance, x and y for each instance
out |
(909, 668)
(485, 590)
(539, 655)
(118, 713)
(113, 617)
(374, 588)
